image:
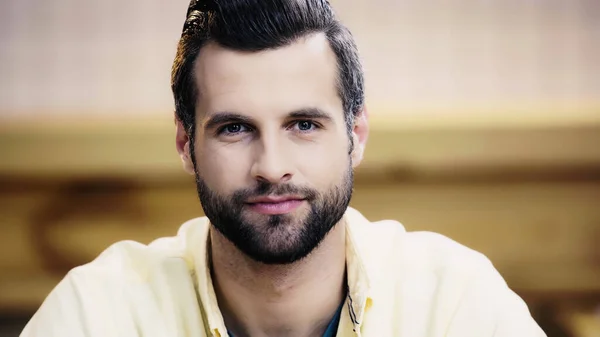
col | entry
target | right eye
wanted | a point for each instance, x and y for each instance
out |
(233, 129)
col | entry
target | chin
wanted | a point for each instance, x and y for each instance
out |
(280, 244)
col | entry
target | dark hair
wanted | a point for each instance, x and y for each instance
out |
(255, 25)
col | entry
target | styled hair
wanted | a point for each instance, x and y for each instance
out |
(256, 25)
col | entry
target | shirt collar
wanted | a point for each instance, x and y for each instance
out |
(359, 273)
(359, 269)
(203, 279)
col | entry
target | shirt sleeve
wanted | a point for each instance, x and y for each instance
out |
(61, 313)
(490, 308)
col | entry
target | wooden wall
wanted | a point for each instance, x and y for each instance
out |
(527, 197)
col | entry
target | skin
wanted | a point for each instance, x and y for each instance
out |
(266, 88)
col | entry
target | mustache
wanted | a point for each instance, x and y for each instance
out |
(264, 189)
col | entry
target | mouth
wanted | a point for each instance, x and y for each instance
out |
(273, 205)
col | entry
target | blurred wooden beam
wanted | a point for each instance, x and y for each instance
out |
(580, 320)
(397, 146)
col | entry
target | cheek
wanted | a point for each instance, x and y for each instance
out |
(326, 163)
(223, 168)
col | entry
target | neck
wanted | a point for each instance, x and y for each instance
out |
(298, 299)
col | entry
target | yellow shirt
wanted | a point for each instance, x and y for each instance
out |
(401, 284)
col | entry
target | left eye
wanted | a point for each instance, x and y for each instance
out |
(305, 125)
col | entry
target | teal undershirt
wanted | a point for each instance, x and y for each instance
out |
(331, 328)
(333, 325)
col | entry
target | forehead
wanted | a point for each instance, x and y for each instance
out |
(300, 75)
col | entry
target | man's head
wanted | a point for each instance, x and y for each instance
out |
(269, 101)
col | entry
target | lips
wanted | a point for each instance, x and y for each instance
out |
(273, 205)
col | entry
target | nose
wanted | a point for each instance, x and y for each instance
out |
(272, 163)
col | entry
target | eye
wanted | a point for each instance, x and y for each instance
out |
(233, 129)
(305, 126)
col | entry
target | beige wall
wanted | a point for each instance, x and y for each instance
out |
(422, 58)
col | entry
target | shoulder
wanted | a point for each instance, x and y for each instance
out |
(426, 258)
(388, 241)
(426, 264)
(440, 254)
(135, 262)
(128, 278)
(440, 278)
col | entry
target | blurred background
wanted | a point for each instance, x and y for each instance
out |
(485, 120)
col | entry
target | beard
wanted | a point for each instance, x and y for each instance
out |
(282, 238)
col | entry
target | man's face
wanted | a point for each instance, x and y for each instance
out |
(271, 149)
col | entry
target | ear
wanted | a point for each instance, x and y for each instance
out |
(360, 133)
(182, 142)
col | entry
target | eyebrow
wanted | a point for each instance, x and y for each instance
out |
(221, 118)
(310, 113)
(225, 118)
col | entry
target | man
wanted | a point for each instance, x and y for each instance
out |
(270, 120)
